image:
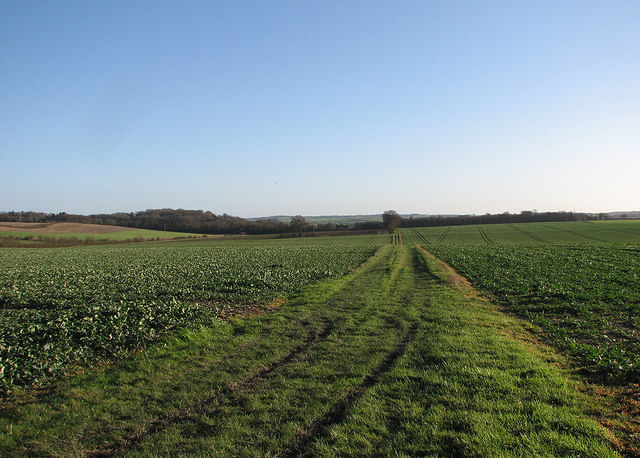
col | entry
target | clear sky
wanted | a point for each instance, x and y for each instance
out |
(258, 108)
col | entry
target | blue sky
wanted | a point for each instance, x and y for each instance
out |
(289, 107)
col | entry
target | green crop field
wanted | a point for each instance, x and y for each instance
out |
(530, 233)
(585, 298)
(84, 304)
(577, 281)
(318, 240)
(326, 346)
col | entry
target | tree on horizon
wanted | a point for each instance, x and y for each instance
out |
(298, 224)
(391, 220)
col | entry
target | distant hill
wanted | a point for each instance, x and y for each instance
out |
(61, 228)
(20, 234)
(624, 215)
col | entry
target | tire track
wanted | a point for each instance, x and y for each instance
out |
(203, 406)
(421, 237)
(185, 413)
(577, 234)
(301, 445)
(484, 235)
(528, 234)
(444, 234)
(622, 230)
(319, 325)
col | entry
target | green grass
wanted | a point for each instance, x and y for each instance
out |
(469, 388)
(388, 360)
(576, 282)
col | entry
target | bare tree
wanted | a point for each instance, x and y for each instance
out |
(298, 224)
(391, 220)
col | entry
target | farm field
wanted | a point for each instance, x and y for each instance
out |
(316, 240)
(397, 356)
(586, 299)
(71, 306)
(388, 359)
(580, 285)
(531, 233)
(38, 233)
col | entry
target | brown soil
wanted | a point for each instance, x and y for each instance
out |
(623, 414)
(250, 311)
(62, 228)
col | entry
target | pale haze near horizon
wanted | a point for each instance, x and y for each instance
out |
(264, 108)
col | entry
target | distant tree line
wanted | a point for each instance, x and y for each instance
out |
(167, 219)
(522, 217)
(459, 220)
(206, 222)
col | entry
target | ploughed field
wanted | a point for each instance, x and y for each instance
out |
(371, 346)
(71, 234)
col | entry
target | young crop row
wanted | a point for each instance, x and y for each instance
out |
(80, 306)
(534, 233)
(584, 297)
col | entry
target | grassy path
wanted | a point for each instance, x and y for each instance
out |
(391, 359)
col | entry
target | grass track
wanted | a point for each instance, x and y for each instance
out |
(390, 359)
